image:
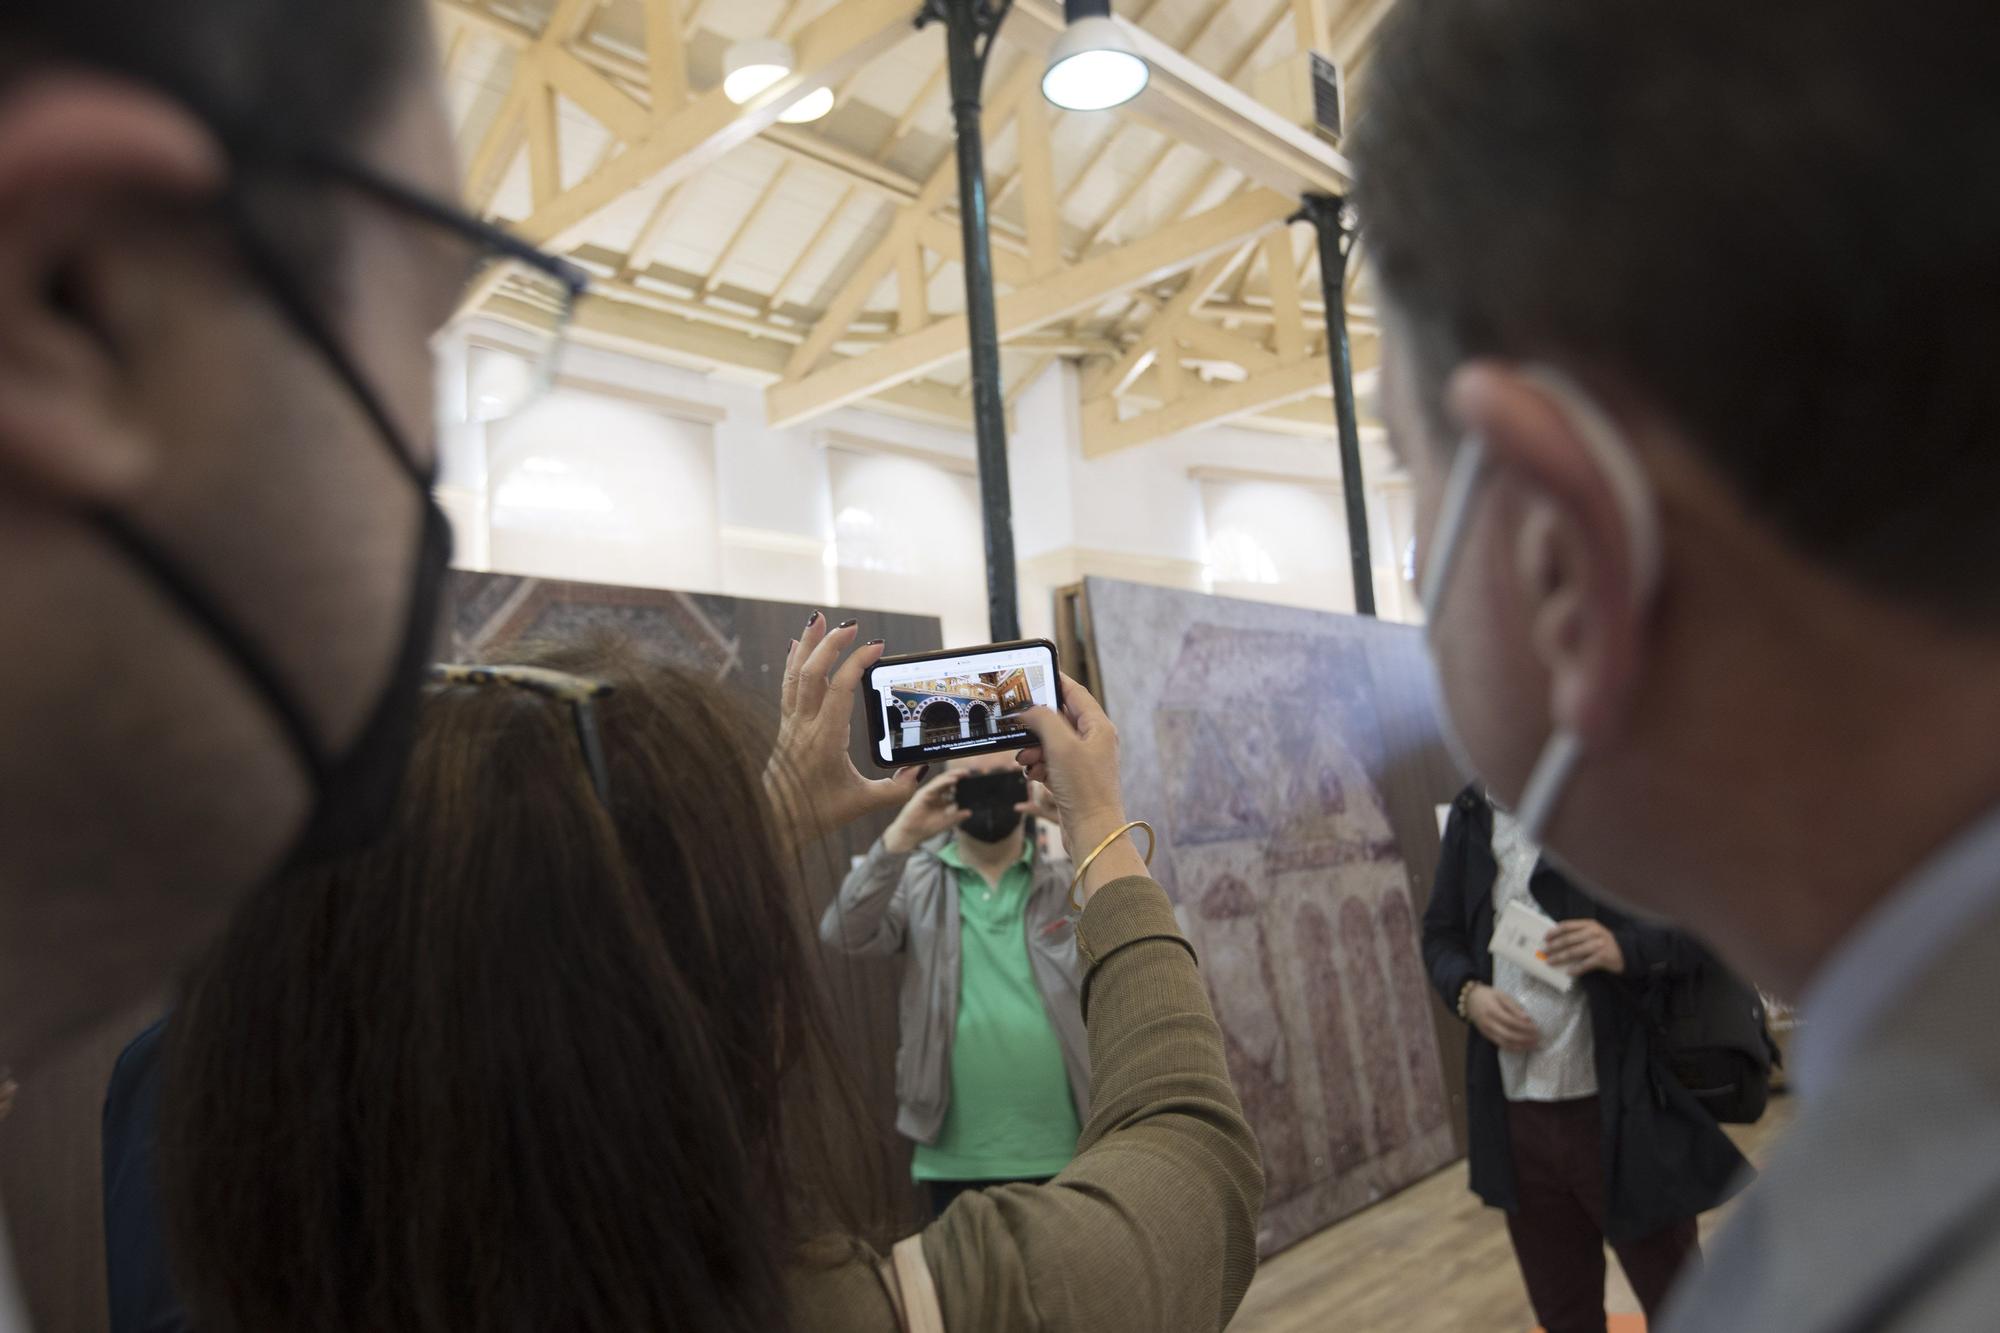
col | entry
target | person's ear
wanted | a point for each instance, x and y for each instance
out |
(1578, 570)
(79, 154)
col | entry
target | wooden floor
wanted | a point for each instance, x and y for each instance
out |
(1430, 1260)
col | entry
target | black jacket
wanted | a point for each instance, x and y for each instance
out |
(135, 1253)
(1665, 1158)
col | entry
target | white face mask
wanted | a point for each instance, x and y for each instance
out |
(1633, 493)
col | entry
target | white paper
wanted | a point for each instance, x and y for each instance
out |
(1520, 936)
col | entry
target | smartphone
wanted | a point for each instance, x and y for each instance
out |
(924, 707)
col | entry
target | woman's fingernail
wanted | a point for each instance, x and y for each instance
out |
(871, 643)
(847, 624)
(794, 648)
(811, 618)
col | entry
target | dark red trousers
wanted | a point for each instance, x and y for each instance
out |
(1558, 1229)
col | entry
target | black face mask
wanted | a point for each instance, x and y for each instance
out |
(991, 824)
(354, 791)
(991, 798)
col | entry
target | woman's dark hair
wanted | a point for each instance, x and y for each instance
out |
(530, 1064)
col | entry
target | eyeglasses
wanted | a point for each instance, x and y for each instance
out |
(581, 693)
(527, 288)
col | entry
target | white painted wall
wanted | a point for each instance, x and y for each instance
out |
(907, 537)
(584, 486)
(635, 472)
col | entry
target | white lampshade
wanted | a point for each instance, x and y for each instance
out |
(1092, 67)
(810, 107)
(751, 66)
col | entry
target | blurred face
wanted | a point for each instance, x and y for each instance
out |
(1540, 537)
(1495, 695)
(147, 781)
(989, 824)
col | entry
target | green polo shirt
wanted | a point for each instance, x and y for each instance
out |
(1010, 1115)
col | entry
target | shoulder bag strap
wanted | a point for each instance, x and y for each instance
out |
(911, 1288)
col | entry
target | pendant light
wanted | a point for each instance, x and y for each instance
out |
(1092, 66)
(751, 66)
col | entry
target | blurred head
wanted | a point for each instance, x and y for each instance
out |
(530, 1063)
(1708, 288)
(991, 823)
(187, 484)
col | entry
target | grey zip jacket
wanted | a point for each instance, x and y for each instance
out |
(894, 904)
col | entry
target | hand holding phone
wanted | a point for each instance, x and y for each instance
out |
(812, 781)
(1075, 755)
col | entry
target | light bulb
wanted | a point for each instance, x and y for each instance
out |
(810, 107)
(751, 66)
(1092, 67)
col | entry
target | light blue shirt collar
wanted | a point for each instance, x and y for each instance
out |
(1887, 953)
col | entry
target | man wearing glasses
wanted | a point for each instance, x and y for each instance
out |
(223, 252)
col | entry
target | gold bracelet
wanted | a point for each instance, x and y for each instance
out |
(1084, 865)
(1465, 1000)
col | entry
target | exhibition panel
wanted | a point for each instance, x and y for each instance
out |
(1293, 762)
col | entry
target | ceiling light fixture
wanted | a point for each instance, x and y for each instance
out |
(1092, 66)
(810, 107)
(751, 66)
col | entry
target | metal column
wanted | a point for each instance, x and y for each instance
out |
(969, 29)
(1327, 213)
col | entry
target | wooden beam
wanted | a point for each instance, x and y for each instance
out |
(1031, 136)
(666, 59)
(853, 295)
(912, 301)
(729, 247)
(648, 235)
(544, 159)
(1139, 181)
(710, 126)
(1281, 270)
(600, 99)
(915, 109)
(1169, 375)
(628, 326)
(1214, 343)
(1073, 290)
(1095, 160)
(1023, 380)
(1010, 267)
(1231, 71)
(1356, 31)
(810, 249)
(1104, 434)
(488, 22)
(788, 21)
(454, 50)
(821, 151)
(1310, 26)
(486, 165)
(1001, 191)
(1197, 289)
(520, 115)
(1192, 105)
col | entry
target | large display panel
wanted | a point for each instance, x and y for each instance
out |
(1291, 763)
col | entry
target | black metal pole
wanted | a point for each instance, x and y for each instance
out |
(1327, 213)
(969, 29)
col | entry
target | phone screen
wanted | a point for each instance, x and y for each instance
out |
(962, 701)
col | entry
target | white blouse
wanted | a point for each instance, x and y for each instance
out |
(1564, 1067)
